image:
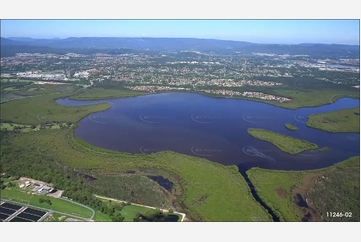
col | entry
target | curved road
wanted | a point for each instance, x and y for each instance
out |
(140, 205)
(82, 205)
(54, 211)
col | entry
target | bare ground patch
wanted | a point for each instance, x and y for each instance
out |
(282, 193)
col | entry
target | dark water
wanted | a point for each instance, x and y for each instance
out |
(300, 201)
(130, 172)
(29, 216)
(160, 218)
(85, 176)
(53, 191)
(275, 218)
(164, 182)
(213, 128)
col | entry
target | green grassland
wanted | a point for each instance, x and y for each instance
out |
(9, 89)
(44, 109)
(291, 127)
(267, 181)
(101, 217)
(130, 211)
(206, 185)
(96, 93)
(56, 217)
(57, 204)
(341, 121)
(339, 191)
(315, 97)
(285, 143)
(308, 92)
(31, 89)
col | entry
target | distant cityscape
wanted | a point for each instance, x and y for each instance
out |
(225, 75)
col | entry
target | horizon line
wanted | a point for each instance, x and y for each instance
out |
(199, 38)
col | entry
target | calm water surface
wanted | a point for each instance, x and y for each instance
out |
(212, 128)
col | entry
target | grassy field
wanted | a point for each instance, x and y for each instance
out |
(44, 109)
(206, 186)
(104, 93)
(55, 217)
(9, 89)
(130, 212)
(43, 89)
(285, 143)
(57, 204)
(291, 127)
(338, 191)
(313, 98)
(341, 121)
(101, 217)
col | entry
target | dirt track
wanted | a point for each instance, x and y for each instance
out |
(163, 210)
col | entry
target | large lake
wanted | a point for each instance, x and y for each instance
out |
(212, 128)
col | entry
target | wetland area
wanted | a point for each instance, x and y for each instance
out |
(214, 129)
(214, 159)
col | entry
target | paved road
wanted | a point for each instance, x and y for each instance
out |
(48, 210)
(82, 205)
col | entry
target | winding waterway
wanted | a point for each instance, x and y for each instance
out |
(213, 128)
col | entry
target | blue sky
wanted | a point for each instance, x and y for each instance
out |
(258, 31)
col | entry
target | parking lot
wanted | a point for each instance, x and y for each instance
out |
(14, 213)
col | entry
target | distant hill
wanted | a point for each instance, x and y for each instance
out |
(135, 43)
(5, 41)
(22, 39)
(181, 44)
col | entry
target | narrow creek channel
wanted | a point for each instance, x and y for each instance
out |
(168, 185)
(275, 218)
